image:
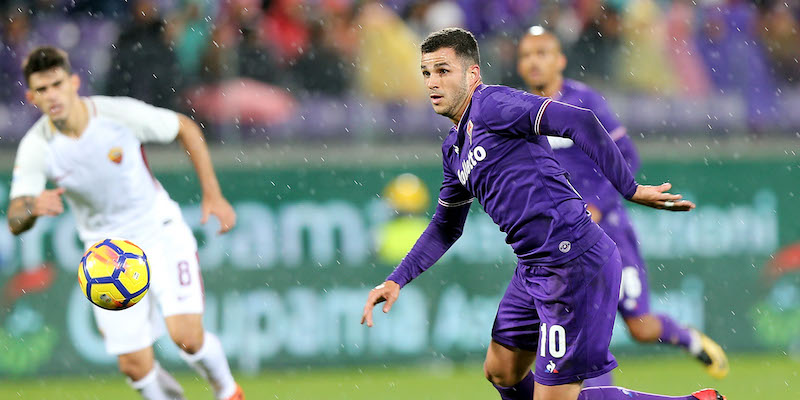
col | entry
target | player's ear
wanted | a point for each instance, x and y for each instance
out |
(474, 73)
(29, 96)
(75, 80)
(562, 62)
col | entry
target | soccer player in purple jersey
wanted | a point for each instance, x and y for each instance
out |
(559, 308)
(541, 64)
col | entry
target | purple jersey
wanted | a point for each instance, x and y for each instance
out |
(498, 155)
(583, 172)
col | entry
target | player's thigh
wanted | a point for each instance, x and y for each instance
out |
(129, 330)
(569, 391)
(505, 365)
(176, 280)
(516, 324)
(634, 293)
(576, 303)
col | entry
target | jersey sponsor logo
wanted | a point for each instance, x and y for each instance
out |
(115, 154)
(474, 156)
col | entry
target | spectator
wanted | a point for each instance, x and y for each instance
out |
(321, 69)
(643, 60)
(143, 65)
(781, 36)
(388, 58)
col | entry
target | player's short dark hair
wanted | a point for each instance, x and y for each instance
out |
(460, 40)
(44, 58)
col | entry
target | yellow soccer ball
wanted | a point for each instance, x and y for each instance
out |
(114, 274)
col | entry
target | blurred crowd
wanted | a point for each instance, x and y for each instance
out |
(265, 68)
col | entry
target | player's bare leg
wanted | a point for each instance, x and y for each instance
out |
(652, 328)
(509, 370)
(203, 351)
(147, 377)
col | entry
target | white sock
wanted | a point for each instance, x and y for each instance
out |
(158, 384)
(211, 364)
(697, 344)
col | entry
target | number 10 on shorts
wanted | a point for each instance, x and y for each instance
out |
(554, 341)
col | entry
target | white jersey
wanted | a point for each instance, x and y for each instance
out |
(108, 184)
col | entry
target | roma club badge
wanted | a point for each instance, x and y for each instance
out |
(115, 154)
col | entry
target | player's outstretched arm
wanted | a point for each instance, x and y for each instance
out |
(387, 291)
(214, 203)
(444, 229)
(23, 211)
(657, 197)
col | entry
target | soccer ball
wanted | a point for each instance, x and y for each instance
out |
(114, 274)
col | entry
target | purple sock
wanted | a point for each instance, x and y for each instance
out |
(602, 380)
(521, 391)
(672, 333)
(618, 393)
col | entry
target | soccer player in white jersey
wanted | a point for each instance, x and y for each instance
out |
(90, 149)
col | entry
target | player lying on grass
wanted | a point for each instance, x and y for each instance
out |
(541, 63)
(91, 149)
(559, 308)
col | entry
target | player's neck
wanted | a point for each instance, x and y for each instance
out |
(76, 122)
(460, 114)
(551, 89)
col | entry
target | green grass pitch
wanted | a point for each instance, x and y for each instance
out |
(775, 377)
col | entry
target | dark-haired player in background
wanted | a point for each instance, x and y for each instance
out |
(91, 149)
(541, 64)
(558, 311)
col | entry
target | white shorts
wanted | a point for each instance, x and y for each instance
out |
(176, 287)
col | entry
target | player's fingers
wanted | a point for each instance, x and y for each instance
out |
(664, 187)
(204, 216)
(683, 205)
(389, 302)
(669, 196)
(367, 316)
(59, 191)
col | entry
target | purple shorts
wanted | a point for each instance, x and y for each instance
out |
(573, 306)
(634, 296)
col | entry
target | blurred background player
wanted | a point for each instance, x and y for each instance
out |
(90, 148)
(541, 64)
(408, 198)
(557, 314)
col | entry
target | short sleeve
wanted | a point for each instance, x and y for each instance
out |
(29, 177)
(148, 123)
(511, 111)
(453, 193)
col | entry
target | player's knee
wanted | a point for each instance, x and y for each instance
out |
(134, 367)
(189, 341)
(501, 375)
(642, 331)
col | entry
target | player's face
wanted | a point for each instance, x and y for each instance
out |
(447, 78)
(540, 60)
(54, 92)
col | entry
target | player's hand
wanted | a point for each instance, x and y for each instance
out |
(597, 216)
(387, 291)
(657, 197)
(49, 203)
(219, 207)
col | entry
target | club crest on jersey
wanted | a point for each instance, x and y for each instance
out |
(473, 157)
(115, 155)
(469, 131)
